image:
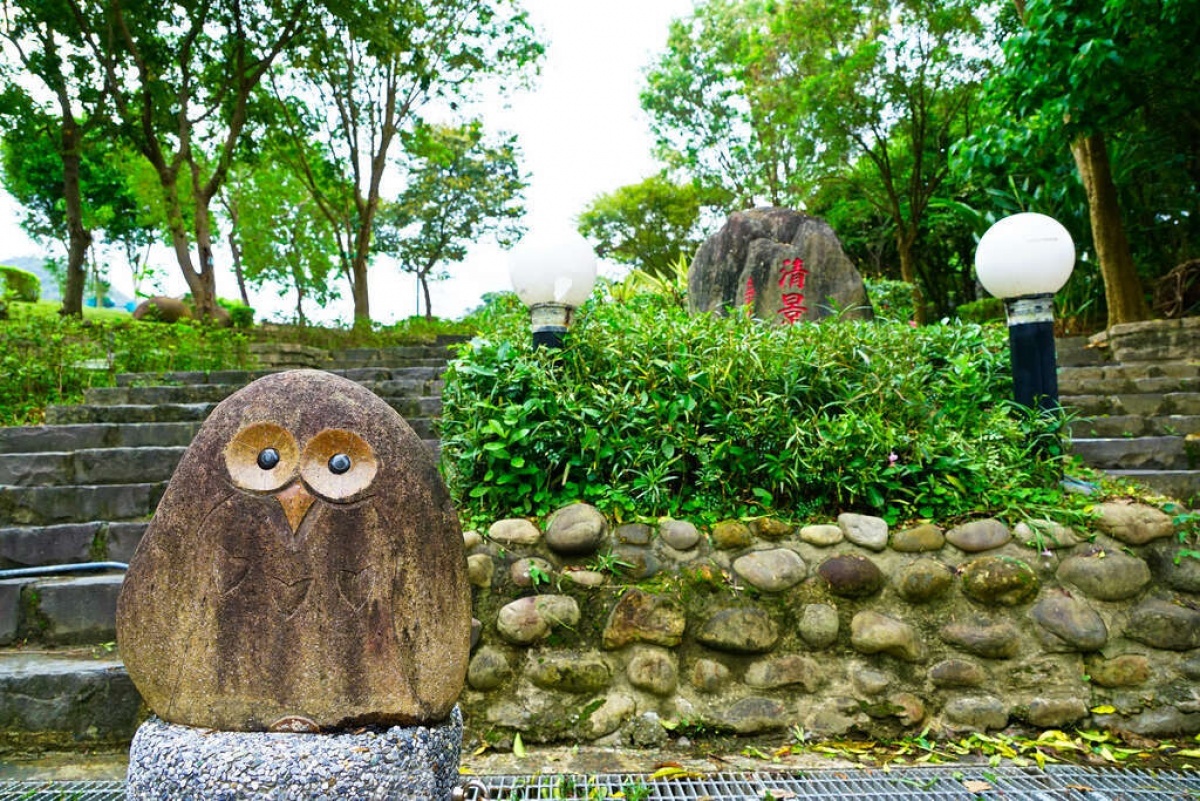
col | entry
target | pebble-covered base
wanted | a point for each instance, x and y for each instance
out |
(167, 761)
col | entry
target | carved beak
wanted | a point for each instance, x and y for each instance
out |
(295, 501)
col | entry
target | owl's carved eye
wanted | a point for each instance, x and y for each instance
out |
(268, 458)
(262, 457)
(338, 464)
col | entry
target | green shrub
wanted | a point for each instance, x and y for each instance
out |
(404, 332)
(984, 310)
(19, 285)
(650, 411)
(891, 300)
(46, 359)
(240, 315)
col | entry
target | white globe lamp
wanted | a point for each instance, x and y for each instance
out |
(553, 277)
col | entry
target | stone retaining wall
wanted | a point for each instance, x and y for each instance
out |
(839, 629)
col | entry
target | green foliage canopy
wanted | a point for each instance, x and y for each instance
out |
(461, 188)
(281, 236)
(1114, 82)
(360, 76)
(647, 225)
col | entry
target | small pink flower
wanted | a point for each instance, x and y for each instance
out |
(892, 458)
(912, 323)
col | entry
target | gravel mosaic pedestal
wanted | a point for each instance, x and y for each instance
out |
(167, 761)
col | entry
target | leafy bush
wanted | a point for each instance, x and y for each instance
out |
(19, 285)
(403, 332)
(892, 300)
(240, 315)
(651, 411)
(984, 310)
(46, 359)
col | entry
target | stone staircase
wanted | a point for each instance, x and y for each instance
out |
(80, 490)
(1136, 389)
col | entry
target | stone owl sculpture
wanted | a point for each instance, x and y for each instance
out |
(303, 572)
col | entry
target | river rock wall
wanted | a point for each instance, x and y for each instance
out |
(588, 631)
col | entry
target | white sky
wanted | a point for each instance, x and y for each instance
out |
(581, 130)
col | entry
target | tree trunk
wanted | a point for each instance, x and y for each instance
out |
(204, 304)
(425, 289)
(908, 271)
(1122, 288)
(236, 250)
(358, 289)
(299, 281)
(180, 242)
(79, 238)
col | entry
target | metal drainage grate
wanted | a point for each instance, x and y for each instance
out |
(62, 791)
(1056, 783)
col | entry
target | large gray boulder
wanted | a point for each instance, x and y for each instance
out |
(787, 265)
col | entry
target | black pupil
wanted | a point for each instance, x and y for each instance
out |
(339, 463)
(268, 458)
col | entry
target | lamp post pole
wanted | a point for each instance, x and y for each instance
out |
(1031, 345)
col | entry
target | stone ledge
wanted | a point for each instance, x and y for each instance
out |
(756, 626)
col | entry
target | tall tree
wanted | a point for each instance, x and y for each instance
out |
(717, 114)
(279, 234)
(46, 41)
(460, 189)
(109, 208)
(1093, 73)
(181, 74)
(363, 70)
(791, 96)
(646, 225)
(894, 84)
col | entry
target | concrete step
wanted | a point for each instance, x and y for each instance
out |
(67, 543)
(1183, 485)
(389, 357)
(68, 698)
(1128, 379)
(1135, 453)
(69, 610)
(89, 466)
(1153, 340)
(187, 377)
(1132, 425)
(416, 408)
(412, 409)
(159, 395)
(44, 506)
(1078, 351)
(430, 371)
(423, 427)
(366, 375)
(1144, 404)
(129, 413)
(36, 439)
(215, 393)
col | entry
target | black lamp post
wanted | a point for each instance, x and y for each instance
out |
(1024, 259)
(552, 278)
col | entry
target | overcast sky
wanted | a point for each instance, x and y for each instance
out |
(581, 130)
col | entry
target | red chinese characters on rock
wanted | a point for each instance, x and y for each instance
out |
(791, 277)
(751, 294)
